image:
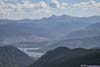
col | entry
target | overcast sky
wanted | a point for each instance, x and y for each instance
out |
(32, 9)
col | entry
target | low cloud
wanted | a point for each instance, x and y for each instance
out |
(24, 7)
(90, 4)
(27, 7)
(57, 4)
(84, 4)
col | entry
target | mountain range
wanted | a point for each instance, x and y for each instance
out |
(50, 32)
(46, 36)
(43, 29)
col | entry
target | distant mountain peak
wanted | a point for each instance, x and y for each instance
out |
(64, 15)
(62, 48)
(61, 16)
(8, 46)
(53, 16)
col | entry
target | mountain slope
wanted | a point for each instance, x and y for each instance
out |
(90, 31)
(88, 42)
(68, 58)
(90, 59)
(12, 57)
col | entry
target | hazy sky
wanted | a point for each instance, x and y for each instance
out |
(21, 9)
